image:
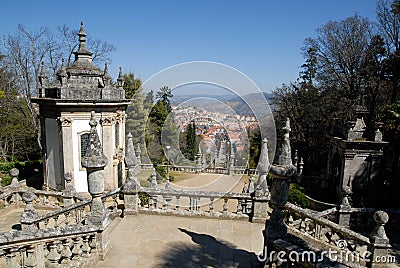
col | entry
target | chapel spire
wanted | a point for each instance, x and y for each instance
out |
(82, 54)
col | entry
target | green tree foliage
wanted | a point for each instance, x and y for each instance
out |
(165, 95)
(160, 128)
(136, 114)
(348, 62)
(131, 85)
(254, 138)
(189, 145)
(18, 136)
(297, 196)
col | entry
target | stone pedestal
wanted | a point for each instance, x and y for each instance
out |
(380, 246)
(131, 195)
(276, 228)
(29, 213)
(260, 209)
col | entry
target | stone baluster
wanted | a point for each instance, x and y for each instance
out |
(225, 207)
(177, 205)
(11, 258)
(344, 208)
(85, 247)
(46, 201)
(30, 260)
(167, 198)
(66, 252)
(379, 247)
(67, 218)
(29, 213)
(69, 191)
(56, 224)
(239, 207)
(76, 249)
(93, 243)
(211, 206)
(53, 257)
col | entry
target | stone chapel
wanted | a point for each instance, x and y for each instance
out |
(65, 107)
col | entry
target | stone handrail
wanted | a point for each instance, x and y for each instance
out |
(72, 246)
(304, 214)
(187, 203)
(326, 234)
(69, 215)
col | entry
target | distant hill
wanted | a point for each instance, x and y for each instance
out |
(238, 104)
(178, 99)
(256, 100)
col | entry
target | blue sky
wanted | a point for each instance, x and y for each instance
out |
(260, 38)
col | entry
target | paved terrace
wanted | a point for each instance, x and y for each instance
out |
(164, 241)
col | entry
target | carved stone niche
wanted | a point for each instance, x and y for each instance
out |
(64, 121)
(107, 121)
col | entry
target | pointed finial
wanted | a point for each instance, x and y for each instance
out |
(82, 53)
(42, 71)
(130, 154)
(82, 30)
(94, 157)
(120, 80)
(107, 78)
(42, 80)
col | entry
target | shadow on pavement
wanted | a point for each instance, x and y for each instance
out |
(207, 252)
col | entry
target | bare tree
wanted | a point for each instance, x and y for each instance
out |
(340, 47)
(25, 50)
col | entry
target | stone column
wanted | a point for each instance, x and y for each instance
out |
(108, 139)
(94, 161)
(67, 160)
(379, 247)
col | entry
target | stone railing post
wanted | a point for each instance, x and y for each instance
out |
(131, 194)
(69, 191)
(29, 213)
(261, 193)
(379, 247)
(94, 161)
(276, 227)
(14, 174)
(344, 208)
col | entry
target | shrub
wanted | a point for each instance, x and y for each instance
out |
(297, 196)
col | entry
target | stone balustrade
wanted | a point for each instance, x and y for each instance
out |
(73, 214)
(196, 203)
(328, 235)
(52, 247)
